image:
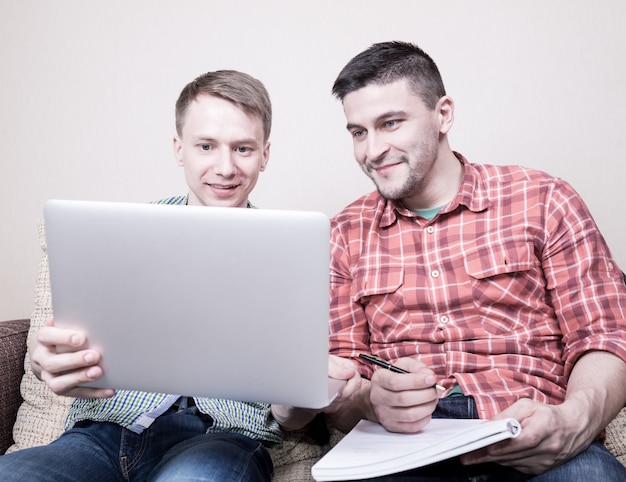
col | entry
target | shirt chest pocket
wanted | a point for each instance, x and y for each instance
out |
(370, 284)
(502, 278)
(499, 259)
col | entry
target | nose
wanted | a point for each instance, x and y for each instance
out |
(375, 147)
(225, 163)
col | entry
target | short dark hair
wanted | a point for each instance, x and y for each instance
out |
(243, 90)
(387, 62)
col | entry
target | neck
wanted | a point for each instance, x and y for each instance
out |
(441, 185)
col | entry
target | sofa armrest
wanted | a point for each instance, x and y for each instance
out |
(12, 351)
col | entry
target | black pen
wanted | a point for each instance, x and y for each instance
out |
(376, 360)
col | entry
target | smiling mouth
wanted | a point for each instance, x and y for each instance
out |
(384, 168)
(223, 187)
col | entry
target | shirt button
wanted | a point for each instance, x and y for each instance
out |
(444, 319)
(435, 273)
(430, 230)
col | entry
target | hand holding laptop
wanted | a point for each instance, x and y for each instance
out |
(340, 369)
(343, 369)
(250, 287)
(61, 358)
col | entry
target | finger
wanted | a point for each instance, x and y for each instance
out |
(351, 387)
(506, 453)
(53, 336)
(341, 368)
(407, 411)
(402, 390)
(396, 382)
(85, 392)
(342, 372)
(58, 363)
(65, 382)
(406, 420)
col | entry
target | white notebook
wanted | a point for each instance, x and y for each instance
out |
(369, 450)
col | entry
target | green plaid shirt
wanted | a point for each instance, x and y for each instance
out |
(137, 410)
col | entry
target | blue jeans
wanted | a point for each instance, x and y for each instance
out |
(594, 464)
(176, 447)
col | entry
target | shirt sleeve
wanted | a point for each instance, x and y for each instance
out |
(349, 331)
(583, 279)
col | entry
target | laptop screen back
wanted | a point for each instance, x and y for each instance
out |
(197, 301)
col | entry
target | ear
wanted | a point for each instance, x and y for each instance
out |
(445, 114)
(178, 150)
(266, 156)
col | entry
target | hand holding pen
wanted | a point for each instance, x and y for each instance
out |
(376, 360)
(404, 403)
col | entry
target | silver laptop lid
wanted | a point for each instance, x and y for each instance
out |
(198, 301)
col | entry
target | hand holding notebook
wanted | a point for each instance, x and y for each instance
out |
(371, 451)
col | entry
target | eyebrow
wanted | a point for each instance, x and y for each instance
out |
(247, 140)
(203, 139)
(380, 118)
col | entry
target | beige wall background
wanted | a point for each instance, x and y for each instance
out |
(87, 92)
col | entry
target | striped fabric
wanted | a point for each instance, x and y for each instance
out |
(137, 410)
(501, 292)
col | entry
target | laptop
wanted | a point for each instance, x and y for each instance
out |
(197, 301)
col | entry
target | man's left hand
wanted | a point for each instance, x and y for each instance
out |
(551, 435)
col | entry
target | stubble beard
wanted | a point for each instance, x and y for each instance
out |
(411, 184)
(419, 162)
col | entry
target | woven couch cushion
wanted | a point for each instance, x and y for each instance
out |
(294, 458)
(41, 416)
(616, 436)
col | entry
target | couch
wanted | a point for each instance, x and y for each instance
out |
(30, 414)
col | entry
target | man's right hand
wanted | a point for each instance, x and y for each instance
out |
(64, 372)
(404, 402)
(400, 402)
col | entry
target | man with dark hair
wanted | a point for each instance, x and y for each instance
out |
(492, 281)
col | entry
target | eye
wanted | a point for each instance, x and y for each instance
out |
(243, 149)
(358, 133)
(390, 124)
(205, 147)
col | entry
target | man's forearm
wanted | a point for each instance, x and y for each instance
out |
(596, 383)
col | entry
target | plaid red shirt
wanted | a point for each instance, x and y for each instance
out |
(501, 292)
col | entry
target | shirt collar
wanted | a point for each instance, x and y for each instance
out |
(248, 205)
(472, 194)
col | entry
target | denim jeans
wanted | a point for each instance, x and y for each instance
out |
(176, 447)
(594, 464)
